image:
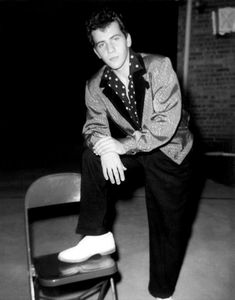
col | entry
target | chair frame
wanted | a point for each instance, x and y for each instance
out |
(33, 199)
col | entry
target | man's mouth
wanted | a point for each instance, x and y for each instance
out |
(113, 58)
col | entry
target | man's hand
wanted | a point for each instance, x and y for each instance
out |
(108, 144)
(112, 167)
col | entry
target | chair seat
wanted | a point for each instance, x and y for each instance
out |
(50, 278)
(60, 273)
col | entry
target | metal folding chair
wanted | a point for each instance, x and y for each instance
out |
(50, 278)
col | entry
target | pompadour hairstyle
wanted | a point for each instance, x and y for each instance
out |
(101, 19)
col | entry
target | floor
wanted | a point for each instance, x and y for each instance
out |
(208, 272)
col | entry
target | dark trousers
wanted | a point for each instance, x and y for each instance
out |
(167, 188)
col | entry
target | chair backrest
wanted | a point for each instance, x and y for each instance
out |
(53, 189)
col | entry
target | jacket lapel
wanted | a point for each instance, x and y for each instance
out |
(140, 85)
(118, 104)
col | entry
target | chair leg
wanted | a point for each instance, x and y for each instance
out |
(32, 291)
(36, 290)
(103, 290)
(93, 290)
(113, 289)
(101, 287)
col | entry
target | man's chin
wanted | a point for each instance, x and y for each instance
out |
(115, 67)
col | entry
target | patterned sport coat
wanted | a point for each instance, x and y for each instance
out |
(164, 124)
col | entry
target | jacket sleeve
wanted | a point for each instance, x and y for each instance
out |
(96, 124)
(164, 110)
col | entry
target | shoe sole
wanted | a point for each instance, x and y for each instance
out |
(87, 257)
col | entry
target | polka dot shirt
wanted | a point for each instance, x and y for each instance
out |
(127, 97)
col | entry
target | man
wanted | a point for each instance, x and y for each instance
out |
(141, 95)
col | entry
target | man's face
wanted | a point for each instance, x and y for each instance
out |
(112, 46)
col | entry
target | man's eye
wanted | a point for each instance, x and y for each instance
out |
(100, 45)
(116, 38)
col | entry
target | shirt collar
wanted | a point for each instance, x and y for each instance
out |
(135, 62)
(136, 65)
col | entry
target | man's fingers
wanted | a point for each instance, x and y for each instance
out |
(110, 174)
(102, 147)
(112, 167)
(124, 168)
(105, 173)
(102, 141)
(117, 176)
(122, 175)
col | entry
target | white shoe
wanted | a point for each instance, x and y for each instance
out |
(90, 245)
(170, 298)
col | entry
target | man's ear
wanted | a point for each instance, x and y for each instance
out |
(129, 40)
(96, 52)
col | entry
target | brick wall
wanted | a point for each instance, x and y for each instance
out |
(211, 78)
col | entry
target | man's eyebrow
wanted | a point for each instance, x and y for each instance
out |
(113, 36)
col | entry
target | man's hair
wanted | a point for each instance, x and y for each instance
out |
(101, 19)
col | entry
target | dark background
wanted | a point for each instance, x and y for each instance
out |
(45, 61)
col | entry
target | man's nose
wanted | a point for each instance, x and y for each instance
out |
(110, 48)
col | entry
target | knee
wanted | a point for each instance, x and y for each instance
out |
(89, 158)
(88, 154)
(91, 165)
